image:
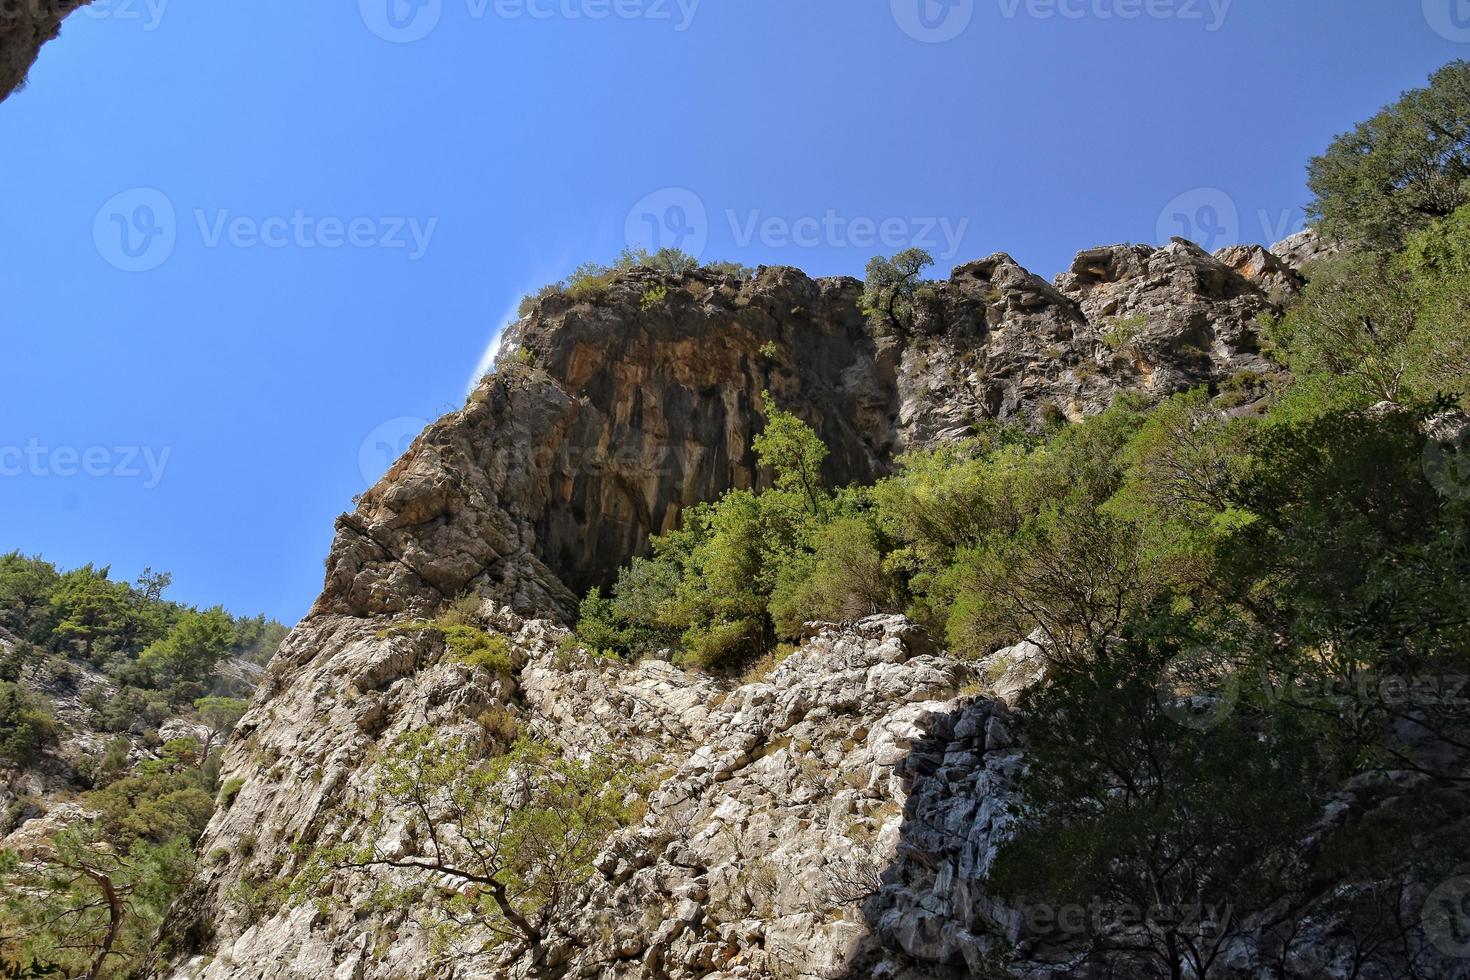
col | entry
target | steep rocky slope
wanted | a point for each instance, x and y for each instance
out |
(780, 798)
(607, 417)
(24, 27)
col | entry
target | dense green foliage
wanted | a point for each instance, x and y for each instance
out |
(1400, 171)
(26, 725)
(741, 574)
(892, 289)
(1241, 612)
(90, 901)
(90, 909)
(518, 831)
(159, 656)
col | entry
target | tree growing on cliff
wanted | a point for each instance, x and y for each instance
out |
(86, 906)
(893, 289)
(1404, 168)
(515, 835)
(27, 727)
(1152, 828)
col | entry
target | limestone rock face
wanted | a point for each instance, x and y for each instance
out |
(1303, 248)
(835, 816)
(764, 846)
(24, 27)
(605, 418)
(783, 804)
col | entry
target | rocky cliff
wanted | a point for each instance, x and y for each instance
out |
(25, 26)
(606, 418)
(834, 818)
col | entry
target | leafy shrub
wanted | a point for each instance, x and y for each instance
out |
(1123, 332)
(476, 648)
(653, 296)
(27, 726)
(733, 270)
(590, 282)
(724, 646)
(527, 827)
(463, 611)
(230, 790)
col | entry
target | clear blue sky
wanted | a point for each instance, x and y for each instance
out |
(215, 305)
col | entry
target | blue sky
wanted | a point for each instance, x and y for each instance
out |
(246, 249)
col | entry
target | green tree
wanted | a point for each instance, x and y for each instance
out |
(843, 577)
(87, 907)
(26, 585)
(192, 649)
(160, 800)
(1172, 823)
(153, 584)
(788, 447)
(893, 289)
(1354, 323)
(27, 726)
(708, 587)
(519, 831)
(1400, 170)
(219, 715)
(88, 608)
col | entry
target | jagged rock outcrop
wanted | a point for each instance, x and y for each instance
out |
(606, 418)
(1305, 247)
(26, 25)
(783, 802)
(867, 751)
